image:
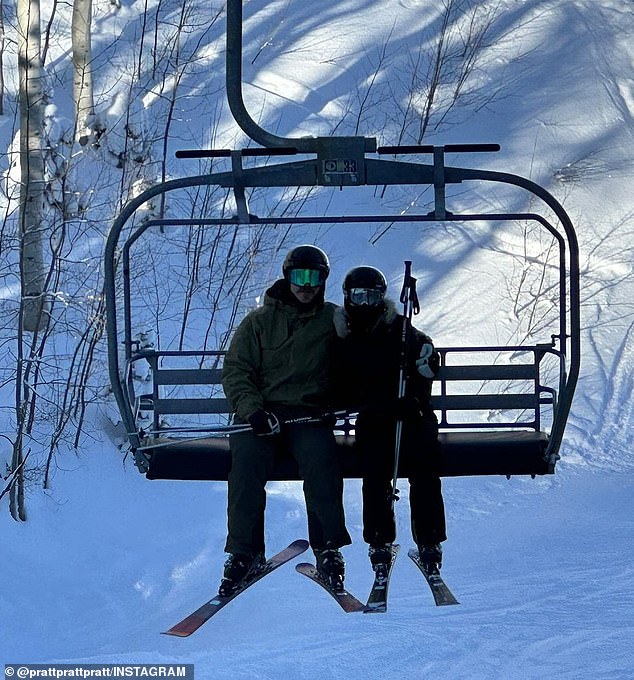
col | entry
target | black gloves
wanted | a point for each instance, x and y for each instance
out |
(264, 423)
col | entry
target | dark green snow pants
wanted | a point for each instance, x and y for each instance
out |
(313, 447)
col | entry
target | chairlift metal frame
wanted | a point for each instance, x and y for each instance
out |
(338, 162)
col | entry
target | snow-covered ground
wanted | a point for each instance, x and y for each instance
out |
(542, 568)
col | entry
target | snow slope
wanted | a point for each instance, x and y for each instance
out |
(543, 568)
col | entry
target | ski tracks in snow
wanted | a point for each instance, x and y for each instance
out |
(612, 431)
(613, 59)
(558, 602)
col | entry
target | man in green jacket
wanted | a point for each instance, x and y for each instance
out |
(279, 367)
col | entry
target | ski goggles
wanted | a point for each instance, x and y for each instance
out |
(306, 277)
(365, 296)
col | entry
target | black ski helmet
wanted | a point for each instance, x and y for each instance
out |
(306, 257)
(367, 279)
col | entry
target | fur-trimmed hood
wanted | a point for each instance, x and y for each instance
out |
(342, 322)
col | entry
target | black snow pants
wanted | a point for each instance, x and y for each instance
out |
(375, 437)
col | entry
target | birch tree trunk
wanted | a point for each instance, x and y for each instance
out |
(82, 70)
(1, 57)
(32, 269)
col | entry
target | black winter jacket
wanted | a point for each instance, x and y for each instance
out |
(367, 364)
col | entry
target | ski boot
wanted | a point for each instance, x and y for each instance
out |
(237, 569)
(380, 555)
(331, 567)
(431, 557)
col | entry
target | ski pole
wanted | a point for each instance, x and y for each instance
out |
(235, 429)
(409, 299)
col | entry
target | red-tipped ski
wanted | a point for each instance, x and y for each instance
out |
(345, 600)
(194, 621)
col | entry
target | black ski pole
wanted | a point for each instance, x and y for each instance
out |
(244, 427)
(409, 299)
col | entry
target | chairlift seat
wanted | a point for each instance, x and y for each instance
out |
(516, 452)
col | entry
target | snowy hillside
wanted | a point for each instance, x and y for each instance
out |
(542, 568)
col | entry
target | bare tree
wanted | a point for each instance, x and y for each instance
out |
(2, 39)
(32, 267)
(82, 70)
(60, 201)
(440, 71)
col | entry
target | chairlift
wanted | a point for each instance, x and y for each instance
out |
(470, 444)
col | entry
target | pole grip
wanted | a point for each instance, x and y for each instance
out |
(406, 284)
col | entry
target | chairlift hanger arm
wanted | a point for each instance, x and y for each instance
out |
(233, 74)
(236, 100)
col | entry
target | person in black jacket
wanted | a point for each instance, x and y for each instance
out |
(369, 356)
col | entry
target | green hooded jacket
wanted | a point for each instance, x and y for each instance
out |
(281, 355)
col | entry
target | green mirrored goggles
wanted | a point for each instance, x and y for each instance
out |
(306, 277)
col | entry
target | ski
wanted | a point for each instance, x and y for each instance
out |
(439, 589)
(377, 600)
(194, 621)
(346, 600)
